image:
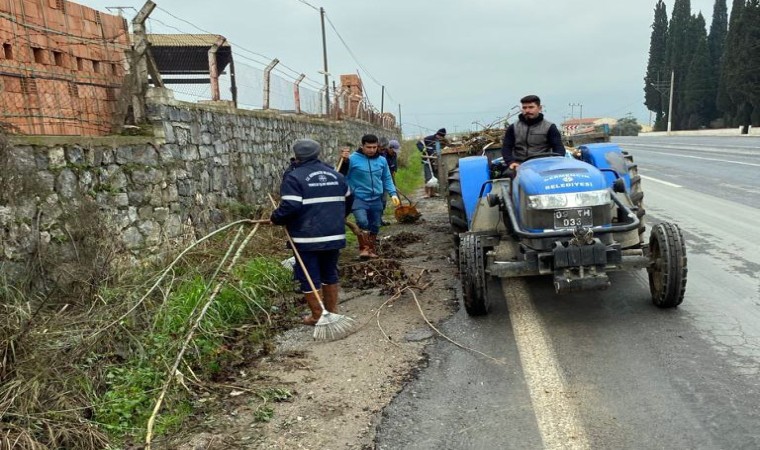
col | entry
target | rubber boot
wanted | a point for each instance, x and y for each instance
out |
(363, 238)
(330, 292)
(316, 310)
(372, 248)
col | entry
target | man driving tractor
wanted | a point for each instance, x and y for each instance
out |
(531, 135)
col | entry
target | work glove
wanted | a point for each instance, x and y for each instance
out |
(396, 201)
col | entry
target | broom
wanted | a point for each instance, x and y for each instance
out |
(433, 181)
(330, 325)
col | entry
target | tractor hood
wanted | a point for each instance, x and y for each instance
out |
(555, 175)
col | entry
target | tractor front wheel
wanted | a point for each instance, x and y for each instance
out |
(472, 274)
(667, 271)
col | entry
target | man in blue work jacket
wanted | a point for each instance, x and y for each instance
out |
(314, 201)
(369, 177)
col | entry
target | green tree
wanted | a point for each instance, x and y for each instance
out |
(730, 58)
(716, 43)
(626, 126)
(748, 74)
(695, 107)
(678, 56)
(654, 97)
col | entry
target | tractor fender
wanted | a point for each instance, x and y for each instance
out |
(473, 173)
(607, 156)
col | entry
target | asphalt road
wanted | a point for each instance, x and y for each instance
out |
(608, 369)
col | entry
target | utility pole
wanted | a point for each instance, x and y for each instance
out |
(663, 87)
(382, 100)
(324, 57)
(572, 109)
(670, 102)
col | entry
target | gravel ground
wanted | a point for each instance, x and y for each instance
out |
(338, 389)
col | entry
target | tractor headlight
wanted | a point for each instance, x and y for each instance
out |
(569, 200)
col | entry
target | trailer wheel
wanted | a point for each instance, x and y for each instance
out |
(472, 275)
(637, 193)
(667, 271)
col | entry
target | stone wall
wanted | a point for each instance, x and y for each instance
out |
(204, 165)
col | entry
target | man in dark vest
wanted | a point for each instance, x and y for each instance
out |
(531, 135)
(314, 203)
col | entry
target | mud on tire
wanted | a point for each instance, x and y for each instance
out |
(667, 273)
(473, 276)
(457, 214)
(637, 193)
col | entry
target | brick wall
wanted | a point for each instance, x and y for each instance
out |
(61, 66)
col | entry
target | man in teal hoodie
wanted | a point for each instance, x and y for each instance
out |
(369, 177)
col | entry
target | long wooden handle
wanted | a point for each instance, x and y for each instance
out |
(300, 261)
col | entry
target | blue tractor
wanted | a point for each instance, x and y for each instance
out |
(572, 219)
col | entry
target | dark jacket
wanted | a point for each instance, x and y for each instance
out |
(531, 137)
(428, 144)
(392, 158)
(313, 206)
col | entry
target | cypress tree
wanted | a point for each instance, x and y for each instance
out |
(697, 83)
(751, 68)
(655, 100)
(678, 57)
(716, 42)
(726, 105)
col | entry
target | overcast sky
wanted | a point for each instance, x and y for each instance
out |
(450, 63)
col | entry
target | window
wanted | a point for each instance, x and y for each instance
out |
(114, 69)
(60, 4)
(73, 90)
(80, 64)
(58, 58)
(7, 51)
(39, 55)
(96, 66)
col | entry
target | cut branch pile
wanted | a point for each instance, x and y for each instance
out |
(386, 274)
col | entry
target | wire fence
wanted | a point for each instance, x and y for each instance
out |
(68, 80)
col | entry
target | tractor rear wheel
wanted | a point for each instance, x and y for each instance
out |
(457, 214)
(472, 275)
(667, 271)
(637, 193)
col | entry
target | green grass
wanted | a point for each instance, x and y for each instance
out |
(132, 385)
(409, 175)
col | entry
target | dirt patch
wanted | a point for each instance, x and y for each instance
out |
(332, 393)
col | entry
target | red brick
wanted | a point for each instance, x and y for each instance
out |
(74, 9)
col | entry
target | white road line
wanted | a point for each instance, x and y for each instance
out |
(667, 183)
(701, 157)
(557, 416)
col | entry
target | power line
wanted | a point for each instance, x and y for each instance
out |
(350, 52)
(309, 5)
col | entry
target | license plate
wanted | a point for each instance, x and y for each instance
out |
(571, 218)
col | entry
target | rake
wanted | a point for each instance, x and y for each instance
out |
(330, 326)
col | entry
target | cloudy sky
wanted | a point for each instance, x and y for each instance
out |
(449, 63)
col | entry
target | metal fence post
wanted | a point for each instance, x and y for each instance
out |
(213, 69)
(297, 93)
(267, 73)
